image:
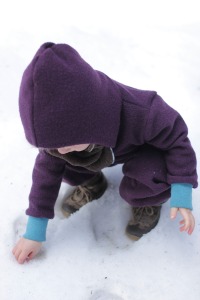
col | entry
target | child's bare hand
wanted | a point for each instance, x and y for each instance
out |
(25, 250)
(188, 222)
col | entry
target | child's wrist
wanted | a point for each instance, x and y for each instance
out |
(181, 195)
(36, 229)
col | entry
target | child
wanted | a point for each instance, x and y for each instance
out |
(82, 121)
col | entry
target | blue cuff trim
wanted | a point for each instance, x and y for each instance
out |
(181, 195)
(36, 229)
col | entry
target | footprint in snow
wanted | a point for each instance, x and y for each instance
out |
(19, 226)
(103, 295)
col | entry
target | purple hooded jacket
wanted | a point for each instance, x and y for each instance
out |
(63, 101)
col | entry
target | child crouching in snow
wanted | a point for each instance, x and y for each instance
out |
(82, 121)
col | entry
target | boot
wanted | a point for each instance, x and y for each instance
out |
(92, 189)
(144, 220)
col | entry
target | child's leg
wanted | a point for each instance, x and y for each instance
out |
(76, 176)
(145, 180)
(145, 187)
(90, 186)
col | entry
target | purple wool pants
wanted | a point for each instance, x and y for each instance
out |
(144, 182)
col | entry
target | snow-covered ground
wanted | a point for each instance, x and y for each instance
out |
(149, 45)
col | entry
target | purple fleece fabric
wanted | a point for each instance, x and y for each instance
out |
(63, 101)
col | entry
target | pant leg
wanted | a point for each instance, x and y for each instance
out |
(77, 175)
(145, 180)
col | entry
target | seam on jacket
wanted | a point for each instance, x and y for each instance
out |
(138, 105)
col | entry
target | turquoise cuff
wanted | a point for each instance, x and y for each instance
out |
(181, 195)
(36, 229)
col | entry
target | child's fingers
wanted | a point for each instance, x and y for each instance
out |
(173, 212)
(17, 254)
(25, 250)
(182, 228)
(190, 231)
(31, 255)
(22, 257)
(188, 223)
(192, 225)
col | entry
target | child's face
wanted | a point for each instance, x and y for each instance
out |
(68, 149)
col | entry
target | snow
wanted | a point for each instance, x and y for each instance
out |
(146, 44)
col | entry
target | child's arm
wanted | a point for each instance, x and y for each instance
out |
(47, 177)
(166, 130)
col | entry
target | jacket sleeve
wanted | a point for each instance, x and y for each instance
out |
(166, 130)
(46, 180)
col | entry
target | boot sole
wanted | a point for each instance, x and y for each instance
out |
(66, 214)
(133, 237)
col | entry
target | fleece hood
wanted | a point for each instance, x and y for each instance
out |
(63, 101)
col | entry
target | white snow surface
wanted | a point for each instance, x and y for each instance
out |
(146, 44)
